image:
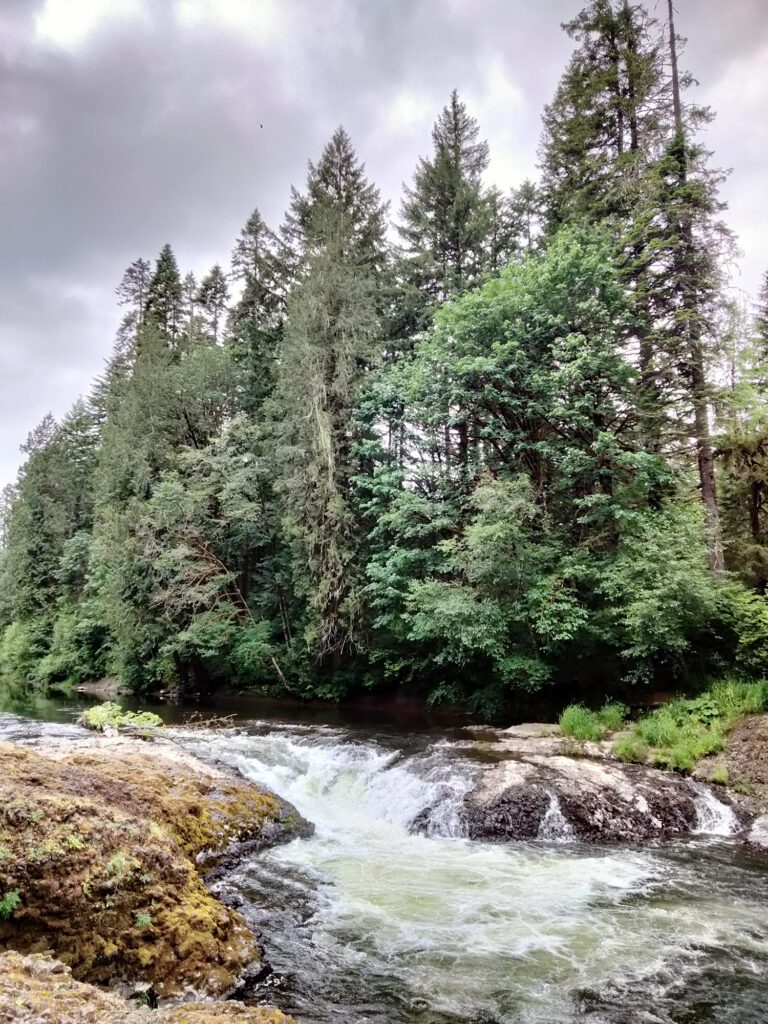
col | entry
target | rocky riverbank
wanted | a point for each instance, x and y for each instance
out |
(540, 784)
(103, 847)
(36, 988)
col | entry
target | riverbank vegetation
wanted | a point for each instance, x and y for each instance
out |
(679, 733)
(524, 447)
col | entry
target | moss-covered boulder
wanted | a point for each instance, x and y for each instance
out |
(37, 988)
(100, 851)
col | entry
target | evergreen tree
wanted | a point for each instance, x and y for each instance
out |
(618, 148)
(212, 299)
(133, 292)
(164, 297)
(255, 321)
(446, 216)
(329, 338)
(337, 189)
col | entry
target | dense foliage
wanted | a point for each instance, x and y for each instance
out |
(524, 448)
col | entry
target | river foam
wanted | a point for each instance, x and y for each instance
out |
(372, 922)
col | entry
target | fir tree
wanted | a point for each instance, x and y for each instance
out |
(329, 338)
(211, 299)
(164, 298)
(446, 216)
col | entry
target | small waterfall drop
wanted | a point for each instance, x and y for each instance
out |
(555, 827)
(713, 817)
(358, 786)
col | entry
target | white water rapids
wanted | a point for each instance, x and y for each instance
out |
(370, 922)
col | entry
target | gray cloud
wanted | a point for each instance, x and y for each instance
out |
(146, 129)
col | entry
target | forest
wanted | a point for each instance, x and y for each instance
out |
(483, 446)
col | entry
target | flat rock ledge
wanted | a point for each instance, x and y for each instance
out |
(41, 990)
(103, 846)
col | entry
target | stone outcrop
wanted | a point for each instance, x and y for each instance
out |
(102, 845)
(534, 791)
(41, 990)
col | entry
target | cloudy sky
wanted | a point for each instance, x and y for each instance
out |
(128, 123)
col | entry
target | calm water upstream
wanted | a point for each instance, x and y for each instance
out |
(368, 922)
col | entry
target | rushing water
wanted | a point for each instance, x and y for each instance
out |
(370, 922)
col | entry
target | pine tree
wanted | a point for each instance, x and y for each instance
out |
(446, 216)
(761, 317)
(133, 292)
(164, 299)
(606, 121)
(255, 320)
(618, 147)
(526, 214)
(190, 321)
(211, 299)
(330, 337)
(337, 189)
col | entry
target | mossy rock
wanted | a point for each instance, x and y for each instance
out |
(37, 988)
(103, 849)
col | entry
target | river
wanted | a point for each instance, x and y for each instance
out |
(370, 922)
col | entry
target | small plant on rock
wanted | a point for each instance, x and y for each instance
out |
(8, 903)
(109, 716)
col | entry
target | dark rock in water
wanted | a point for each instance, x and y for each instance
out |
(516, 813)
(560, 798)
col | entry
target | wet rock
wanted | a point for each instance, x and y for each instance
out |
(758, 834)
(101, 842)
(39, 989)
(594, 801)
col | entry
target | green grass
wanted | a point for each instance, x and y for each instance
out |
(679, 734)
(579, 723)
(630, 748)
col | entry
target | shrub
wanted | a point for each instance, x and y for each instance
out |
(111, 716)
(581, 724)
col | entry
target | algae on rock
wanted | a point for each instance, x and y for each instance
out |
(100, 844)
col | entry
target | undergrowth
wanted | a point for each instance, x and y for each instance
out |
(681, 733)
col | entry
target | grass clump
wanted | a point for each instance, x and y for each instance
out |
(681, 733)
(613, 715)
(109, 715)
(580, 723)
(631, 748)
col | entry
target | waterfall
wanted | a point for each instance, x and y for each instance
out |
(713, 817)
(555, 827)
(334, 781)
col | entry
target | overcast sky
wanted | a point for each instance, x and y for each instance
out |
(128, 123)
